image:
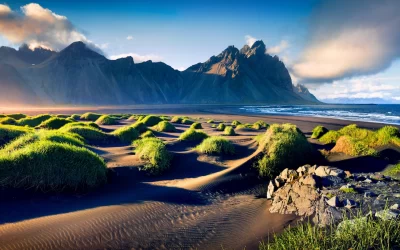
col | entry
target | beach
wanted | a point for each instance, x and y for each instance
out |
(202, 202)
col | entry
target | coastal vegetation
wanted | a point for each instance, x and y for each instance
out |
(164, 126)
(216, 145)
(192, 135)
(106, 120)
(90, 116)
(228, 130)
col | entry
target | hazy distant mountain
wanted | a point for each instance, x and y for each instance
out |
(302, 91)
(79, 75)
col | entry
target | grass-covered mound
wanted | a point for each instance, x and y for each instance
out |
(192, 135)
(33, 121)
(196, 125)
(358, 141)
(151, 120)
(147, 134)
(318, 132)
(78, 124)
(176, 119)
(164, 126)
(216, 145)
(106, 120)
(393, 171)
(210, 121)
(363, 233)
(246, 126)
(351, 146)
(9, 133)
(262, 124)
(8, 121)
(229, 131)
(75, 117)
(235, 123)
(126, 134)
(44, 135)
(187, 121)
(47, 165)
(90, 116)
(17, 116)
(283, 146)
(221, 127)
(91, 135)
(139, 126)
(62, 116)
(154, 152)
(54, 123)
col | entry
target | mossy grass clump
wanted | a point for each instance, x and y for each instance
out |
(90, 116)
(349, 190)
(10, 132)
(78, 124)
(139, 126)
(187, 121)
(229, 131)
(352, 146)
(359, 233)
(51, 166)
(176, 119)
(34, 121)
(154, 152)
(221, 127)
(62, 116)
(330, 137)
(44, 135)
(318, 132)
(256, 126)
(192, 135)
(91, 135)
(283, 146)
(196, 125)
(75, 117)
(54, 123)
(106, 120)
(393, 171)
(17, 116)
(210, 121)
(244, 126)
(164, 126)
(235, 123)
(147, 134)
(126, 134)
(216, 145)
(151, 120)
(262, 124)
(8, 121)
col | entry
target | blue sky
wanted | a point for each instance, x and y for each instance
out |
(182, 33)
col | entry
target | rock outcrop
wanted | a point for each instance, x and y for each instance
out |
(325, 194)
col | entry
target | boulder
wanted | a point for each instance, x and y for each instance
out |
(349, 203)
(323, 171)
(333, 202)
(270, 191)
(394, 206)
(388, 214)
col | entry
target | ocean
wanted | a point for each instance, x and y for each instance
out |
(381, 113)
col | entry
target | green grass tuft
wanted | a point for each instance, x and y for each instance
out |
(139, 126)
(192, 135)
(75, 117)
(319, 131)
(262, 124)
(106, 120)
(229, 131)
(79, 124)
(393, 171)
(33, 121)
(8, 121)
(210, 121)
(176, 119)
(196, 125)
(351, 146)
(151, 120)
(187, 121)
(235, 123)
(283, 146)
(349, 190)
(164, 126)
(10, 132)
(46, 165)
(330, 137)
(362, 233)
(91, 135)
(216, 145)
(154, 152)
(126, 134)
(54, 123)
(147, 134)
(17, 116)
(90, 116)
(221, 127)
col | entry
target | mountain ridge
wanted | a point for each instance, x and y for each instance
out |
(79, 75)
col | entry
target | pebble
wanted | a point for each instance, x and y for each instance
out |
(381, 183)
(368, 194)
(395, 206)
(368, 180)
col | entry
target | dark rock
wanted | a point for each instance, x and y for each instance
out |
(369, 194)
(328, 181)
(333, 202)
(349, 203)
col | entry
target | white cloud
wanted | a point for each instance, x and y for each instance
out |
(103, 45)
(138, 58)
(37, 26)
(350, 38)
(282, 46)
(129, 38)
(250, 40)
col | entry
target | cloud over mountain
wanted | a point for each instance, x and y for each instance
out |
(350, 38)
(39, 27)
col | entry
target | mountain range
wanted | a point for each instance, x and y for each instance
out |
(78, 75)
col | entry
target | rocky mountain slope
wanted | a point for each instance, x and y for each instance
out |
(79, 75)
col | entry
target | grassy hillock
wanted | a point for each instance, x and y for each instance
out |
(282, 146)
(151, 120)
(318, 132)
(106, 120)
(216, 145)
(91, 135)
(54, 123)
(10, 132)
(34, 121)
(229, 131)
(192, 135)
(126, 134)
(196, 125)
(90, 116)
(164, 126)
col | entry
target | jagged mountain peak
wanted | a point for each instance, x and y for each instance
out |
(81, 50)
